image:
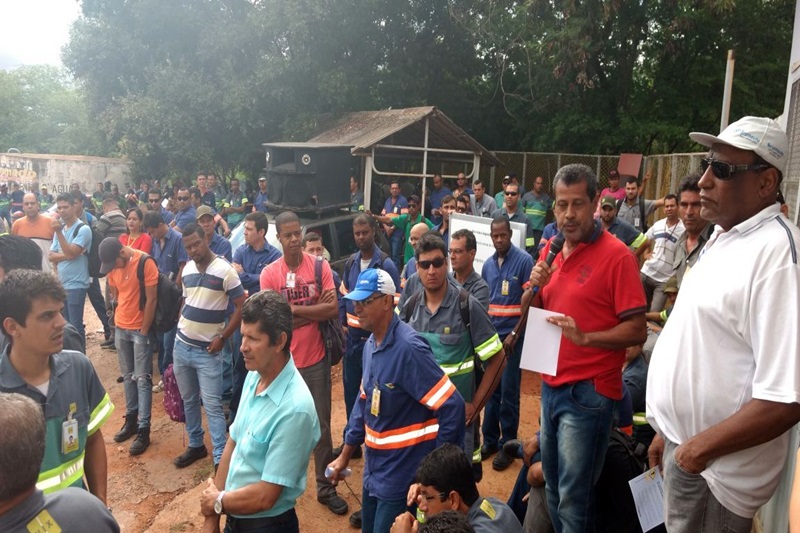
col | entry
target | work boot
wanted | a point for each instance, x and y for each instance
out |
(189, 456)
(142, 442)
(129, 429)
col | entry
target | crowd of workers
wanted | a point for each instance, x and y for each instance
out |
(431, 351)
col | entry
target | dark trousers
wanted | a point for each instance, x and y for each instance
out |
(283, 523)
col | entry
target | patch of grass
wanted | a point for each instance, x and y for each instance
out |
(205, 471)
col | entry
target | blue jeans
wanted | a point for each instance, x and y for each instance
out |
(352, 366)
(501, 416)
(239, 375)
(199, 375)
(377, 516)
(73, 310)
(98, 302)
(229, 355)
(135, 355)
(576, 422)
(397, 242)
(166, 343)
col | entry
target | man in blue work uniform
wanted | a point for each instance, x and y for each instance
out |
(395, 206)
(407, 405)
(186, 212)
(507, 273)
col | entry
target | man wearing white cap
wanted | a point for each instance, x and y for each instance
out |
(407, 406)
(724, 381)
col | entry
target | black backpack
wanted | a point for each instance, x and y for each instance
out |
(642, 216)
(93, 252)
(170, 299)
(331, 329)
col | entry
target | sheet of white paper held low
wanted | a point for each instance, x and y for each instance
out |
(542, 342)
(648, 495)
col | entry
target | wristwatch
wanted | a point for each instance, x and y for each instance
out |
(218, 503)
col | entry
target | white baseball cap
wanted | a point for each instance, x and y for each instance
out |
(758, 134)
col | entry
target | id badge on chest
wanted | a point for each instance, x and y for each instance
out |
(375, 408)
(69, 432)
(290, 279)
(504, 288)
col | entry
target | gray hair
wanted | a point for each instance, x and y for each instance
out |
(22, 443)
(575, 174)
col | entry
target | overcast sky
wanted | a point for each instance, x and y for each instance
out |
(34, 31)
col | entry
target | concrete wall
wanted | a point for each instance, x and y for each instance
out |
(59, 171)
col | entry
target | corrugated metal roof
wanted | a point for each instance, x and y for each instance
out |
(364, 129)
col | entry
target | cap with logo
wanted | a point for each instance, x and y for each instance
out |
(758, 134)
(369, 282)
(204, 210)
(109, 252)
(608, 201)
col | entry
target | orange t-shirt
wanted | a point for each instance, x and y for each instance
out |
(40, 229)
(128, 315)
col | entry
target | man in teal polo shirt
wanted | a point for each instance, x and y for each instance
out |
(276, 428)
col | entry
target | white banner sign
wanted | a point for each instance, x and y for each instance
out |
(481, 227)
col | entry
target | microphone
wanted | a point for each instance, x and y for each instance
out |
(555, 246)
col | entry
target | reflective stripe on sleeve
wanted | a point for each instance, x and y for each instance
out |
(504, 310)
(439, 393)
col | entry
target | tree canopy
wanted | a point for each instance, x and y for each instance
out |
(187, 84)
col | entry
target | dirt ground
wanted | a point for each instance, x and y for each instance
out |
(148, 494)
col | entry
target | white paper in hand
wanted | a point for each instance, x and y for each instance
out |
(648, 495)
(542, 342)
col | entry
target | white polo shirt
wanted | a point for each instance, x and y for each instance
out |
(660, 267)
(733, 336)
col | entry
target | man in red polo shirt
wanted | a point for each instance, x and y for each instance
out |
(594, 283)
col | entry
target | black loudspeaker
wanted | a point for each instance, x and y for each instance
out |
(308, 176)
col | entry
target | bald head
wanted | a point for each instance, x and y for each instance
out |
(30, 205)
(417, 231)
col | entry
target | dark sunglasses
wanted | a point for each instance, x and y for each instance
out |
(725, 171)
(436, 263)
(182, 198)
(511, 193)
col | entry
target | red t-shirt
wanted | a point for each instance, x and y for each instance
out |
(598, 285)
(143, 243)
(307, 347)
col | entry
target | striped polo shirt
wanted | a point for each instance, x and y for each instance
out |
(206, 295)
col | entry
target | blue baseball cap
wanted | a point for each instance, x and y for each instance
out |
(369, 282)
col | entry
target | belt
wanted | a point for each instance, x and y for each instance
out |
(250, 524)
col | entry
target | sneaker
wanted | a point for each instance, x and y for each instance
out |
(129, 428)
(159, 387)
(355, 519)
(502, 460)
(108, 344)
(142, 442)
(190, 456)
(357, 454)
(335, 503)
(487, 451)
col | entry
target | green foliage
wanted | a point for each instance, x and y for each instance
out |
(42, 111)
(182, 85)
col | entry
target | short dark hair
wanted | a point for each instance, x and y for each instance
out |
(19, 252)
(501, 220)
(78, 197)
(478, 182)
(191, 227)
(464, 199)
(287, 217)
(671, 196)
(153, 219)
(471, 243)
(429, 242)
(447, 522)
(577, 173)
(447, 468)
(689, 183)
(64, 197)
(22, 441)
(273, 315)
(194, 191)
(413, 198)
(20, 288)
(447, 198)
(394, 182)
(260, 219)
(311, 236)
(361, 219)
(631, 179)
(154, 191)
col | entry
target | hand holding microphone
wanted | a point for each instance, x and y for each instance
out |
(541, 273)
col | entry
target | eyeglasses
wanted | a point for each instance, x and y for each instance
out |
(725, 171)
(371, 299)
(429, 497)
(412, 206)
(461, 209)
(436, 263)
(182, 198)
(511, 193)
